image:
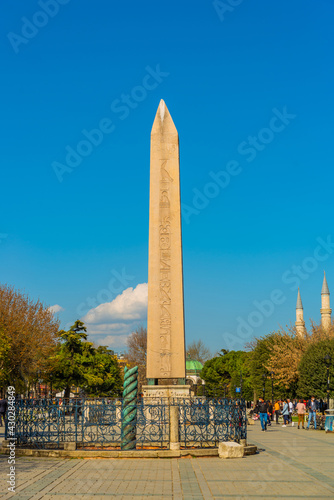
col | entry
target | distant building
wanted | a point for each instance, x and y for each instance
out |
(122, 360)
(193, 370)
(325, 310)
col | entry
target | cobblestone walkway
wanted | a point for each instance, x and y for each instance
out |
(292, 464)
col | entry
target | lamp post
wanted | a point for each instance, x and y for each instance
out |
(272, 388)
(264, 376)
(39, 384)
(240, 385)
(328, 360)
(225, 385)
(272, 394)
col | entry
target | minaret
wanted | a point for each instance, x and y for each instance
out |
(325, 310)
(300, 323)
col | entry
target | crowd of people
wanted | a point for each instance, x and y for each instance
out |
(267, 412)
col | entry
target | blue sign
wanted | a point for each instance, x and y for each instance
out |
(237, 389)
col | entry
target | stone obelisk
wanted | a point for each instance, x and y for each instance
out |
(165, 319)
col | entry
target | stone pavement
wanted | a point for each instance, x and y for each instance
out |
(292, 464)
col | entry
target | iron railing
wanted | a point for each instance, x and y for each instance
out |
(205, 422)
(49, 423)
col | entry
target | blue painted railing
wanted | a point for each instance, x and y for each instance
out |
(47, 423)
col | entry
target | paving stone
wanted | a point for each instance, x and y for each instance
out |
(293, 465)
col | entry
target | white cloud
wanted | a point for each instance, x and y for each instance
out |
(56, 308)
(130, 305)
(111, 323)
(115, 342)
(103, 329)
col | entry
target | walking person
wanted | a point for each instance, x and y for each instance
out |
(301, 410)
(262, 409)
(291, 408)
(3, 410)
(277, 409)
(285, 413)
(312, 413)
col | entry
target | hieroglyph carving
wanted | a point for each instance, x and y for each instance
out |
(165, 291)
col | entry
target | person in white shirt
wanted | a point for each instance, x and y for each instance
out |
(290, 411)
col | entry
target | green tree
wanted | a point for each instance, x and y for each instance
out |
(226, 371)
(313, 371)
(68, 365)
(259, 359)
(78, 363)
(103, 376)
(260, 368)
(281, 352)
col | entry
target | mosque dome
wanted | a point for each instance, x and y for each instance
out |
(193, 366)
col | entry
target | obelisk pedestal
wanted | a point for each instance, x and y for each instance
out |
(165, 317)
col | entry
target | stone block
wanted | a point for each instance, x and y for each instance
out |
(200, 452)
(154, 393)
(138, 454)
(71, 446)
(230, 450)
(250, 449)
(169, 453)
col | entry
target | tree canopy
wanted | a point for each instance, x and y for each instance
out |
(313, 369)
(28, 337)
(281, 353)
(227, 371)
(77, 362)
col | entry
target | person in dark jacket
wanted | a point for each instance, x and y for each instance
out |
(312, 413)
(285, 413)
(322, 406)
(3, 409)
(262, 409)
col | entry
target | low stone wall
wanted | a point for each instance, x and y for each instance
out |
(67, 453)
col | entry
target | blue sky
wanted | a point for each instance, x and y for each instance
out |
(249, 86)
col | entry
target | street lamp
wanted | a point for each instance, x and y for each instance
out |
(272, 395)
(272, 388)
(240, 385)
(39, 384)
(264, 376)
(328, 360)
(225, 385)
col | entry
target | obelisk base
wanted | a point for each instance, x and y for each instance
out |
(151, 392)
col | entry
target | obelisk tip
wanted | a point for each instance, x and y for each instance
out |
(163, 120)
(162, 109)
